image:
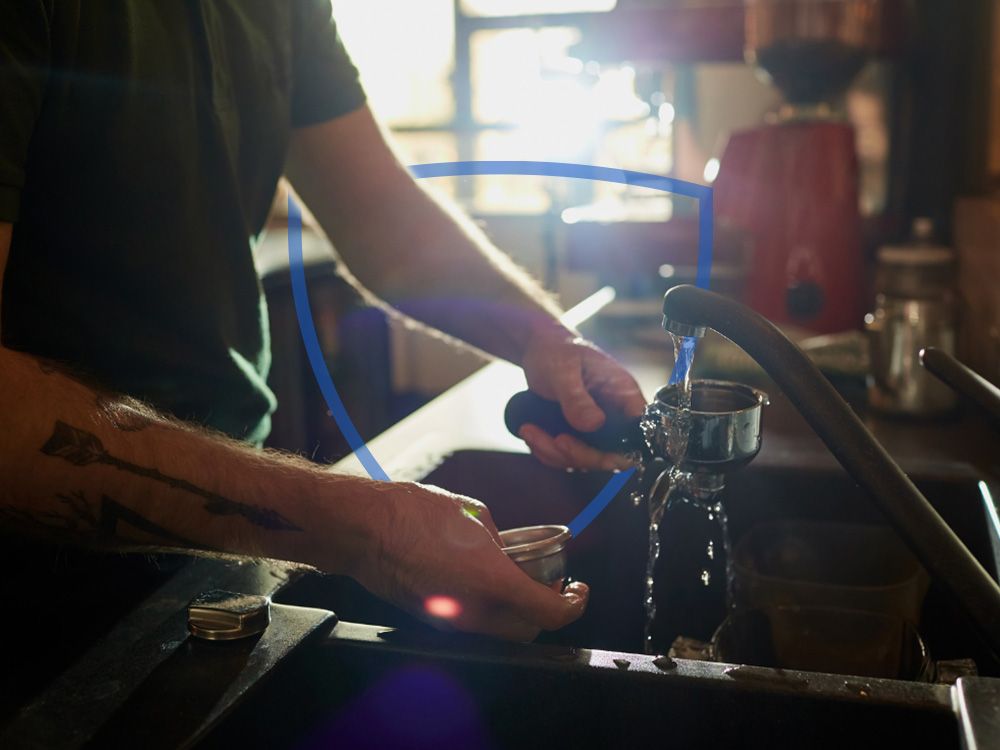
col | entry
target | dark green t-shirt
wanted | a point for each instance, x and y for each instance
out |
(140, 145)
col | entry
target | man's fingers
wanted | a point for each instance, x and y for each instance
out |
(513, 630)
(507, 626)
(578, 588)
(628, 396)
(494, 622)
(614, 386)
(544, 447)
(578, 406)
(541, 605)
(565, 451)
(522, 608)
(583, 456)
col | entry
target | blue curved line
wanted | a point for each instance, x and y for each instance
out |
(596, 506)
(562, 169)
(303, 312)
(313, 350)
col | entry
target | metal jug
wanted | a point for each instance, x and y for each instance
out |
(915, 307)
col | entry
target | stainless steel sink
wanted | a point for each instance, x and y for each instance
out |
(381, 679)
(610, 554)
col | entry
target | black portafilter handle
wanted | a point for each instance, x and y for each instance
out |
(618, 434)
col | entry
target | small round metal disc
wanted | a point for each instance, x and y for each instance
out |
(226, 616)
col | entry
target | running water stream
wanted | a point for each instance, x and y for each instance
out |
(668, 481)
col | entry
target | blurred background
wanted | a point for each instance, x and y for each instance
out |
(827, 127)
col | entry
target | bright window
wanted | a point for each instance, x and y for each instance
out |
(405, 52)
(529, 7)
(529, 96)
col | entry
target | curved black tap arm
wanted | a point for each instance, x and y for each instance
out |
(943, 554)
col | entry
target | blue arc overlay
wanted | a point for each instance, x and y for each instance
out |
(314, 352)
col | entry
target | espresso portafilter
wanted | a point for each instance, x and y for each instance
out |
(723, 426)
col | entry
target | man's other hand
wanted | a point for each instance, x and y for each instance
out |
(438, 556)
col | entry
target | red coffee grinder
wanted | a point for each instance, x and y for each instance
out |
(793, 182)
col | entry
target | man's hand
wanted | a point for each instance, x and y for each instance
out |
(438, 556)
(561, 366)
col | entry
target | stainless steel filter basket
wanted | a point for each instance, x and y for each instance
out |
(724, 429)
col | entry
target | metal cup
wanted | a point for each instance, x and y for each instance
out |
(724, 425)
(540, 551)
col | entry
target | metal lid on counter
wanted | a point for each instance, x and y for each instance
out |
(219, 615)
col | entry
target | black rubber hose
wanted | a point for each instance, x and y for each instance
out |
(964, 380)
(944, 555)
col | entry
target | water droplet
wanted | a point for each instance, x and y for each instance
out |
(863, 689)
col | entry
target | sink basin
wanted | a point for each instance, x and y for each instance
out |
(369, 685)
(610, 554)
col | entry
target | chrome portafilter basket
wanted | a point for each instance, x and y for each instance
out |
(697, 447)
(723, 425)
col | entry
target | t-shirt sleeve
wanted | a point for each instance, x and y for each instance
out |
(325, 82)
(24, 61)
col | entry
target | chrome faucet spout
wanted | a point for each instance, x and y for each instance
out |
(944, 555)
(682, 329)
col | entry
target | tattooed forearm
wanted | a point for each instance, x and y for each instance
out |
(82, 448)
(113, 513)
(79, 515)
(76, 520)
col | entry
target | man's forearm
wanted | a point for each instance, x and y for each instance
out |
(109, 471)
(447, 274)
(406, 247)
